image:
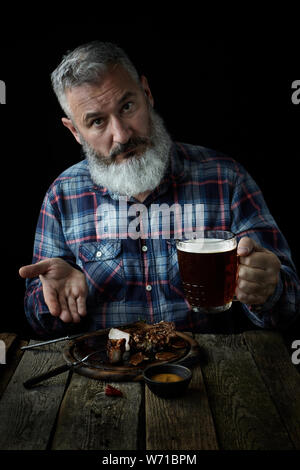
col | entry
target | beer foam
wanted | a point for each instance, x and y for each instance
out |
(207, 245)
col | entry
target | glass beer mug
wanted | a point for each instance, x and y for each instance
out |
(208, 268)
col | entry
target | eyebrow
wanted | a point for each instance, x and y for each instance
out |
(89, 116)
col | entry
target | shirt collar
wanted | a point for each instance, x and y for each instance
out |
(176, 172)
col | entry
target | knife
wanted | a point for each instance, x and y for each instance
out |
(65, 338)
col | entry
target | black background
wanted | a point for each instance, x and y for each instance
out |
(231, 94)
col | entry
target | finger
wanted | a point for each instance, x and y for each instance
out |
(73, 309)
(247, 245)
(34, 270)
(250, 299)
(51, 300)
(254, 260)
(251, 287)
(81, 305)
(65, 314)
(248, 273)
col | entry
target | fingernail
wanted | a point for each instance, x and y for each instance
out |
(243, 250)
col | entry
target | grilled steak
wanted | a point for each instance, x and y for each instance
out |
(154, 338)
(144, 340)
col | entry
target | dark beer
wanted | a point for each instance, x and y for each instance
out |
(208, 270)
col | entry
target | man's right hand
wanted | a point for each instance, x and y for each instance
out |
(64, 287)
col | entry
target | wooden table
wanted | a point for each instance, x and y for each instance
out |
(244, 395)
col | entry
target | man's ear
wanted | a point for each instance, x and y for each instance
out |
(147, 90)
(69, 124)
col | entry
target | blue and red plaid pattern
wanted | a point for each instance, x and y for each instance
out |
(133, 279)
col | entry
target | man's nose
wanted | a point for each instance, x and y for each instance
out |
(121, 132)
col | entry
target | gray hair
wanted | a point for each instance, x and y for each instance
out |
(86, 64)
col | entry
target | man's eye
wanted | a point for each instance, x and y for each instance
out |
(97, 122)
(128, 106)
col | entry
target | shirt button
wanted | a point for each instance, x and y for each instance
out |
(99, 254)
(148, 288)
(144, 248)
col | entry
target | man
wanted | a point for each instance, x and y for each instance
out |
(90, 268)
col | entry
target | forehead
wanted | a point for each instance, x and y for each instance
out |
(91, 97)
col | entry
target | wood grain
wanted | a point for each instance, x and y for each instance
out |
(28, 416)
(9, 339)
(13, 357)
(244, 413)
(244, 395)
(89, 420)
(180, 423)
(280, 376)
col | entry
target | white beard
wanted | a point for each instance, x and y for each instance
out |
(136, 174)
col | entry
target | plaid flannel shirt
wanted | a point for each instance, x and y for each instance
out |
(132, 279)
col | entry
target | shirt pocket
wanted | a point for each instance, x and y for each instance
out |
(174, 284)
(103, 265)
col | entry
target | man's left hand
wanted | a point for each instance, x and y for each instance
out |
(258, 272)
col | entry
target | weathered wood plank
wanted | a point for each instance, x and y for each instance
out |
(280, 376)
(28, 416)
(5, 368)
(89, 420)
(244, 413)
(180, 423)
(9, 339)
(13, 357)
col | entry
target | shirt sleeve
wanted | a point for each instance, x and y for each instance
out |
(251, 217)
(49, 243)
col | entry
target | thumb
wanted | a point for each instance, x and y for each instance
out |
(34, 270)
(247, 245)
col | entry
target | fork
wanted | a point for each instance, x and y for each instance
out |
(58, 370)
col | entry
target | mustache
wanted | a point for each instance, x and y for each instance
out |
(128, 146)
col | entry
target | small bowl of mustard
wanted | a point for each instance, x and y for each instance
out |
(167, 380)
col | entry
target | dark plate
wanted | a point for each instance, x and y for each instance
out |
(98, 367)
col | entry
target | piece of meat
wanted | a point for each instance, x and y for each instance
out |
(179, 344)
(115, 350)
(144, 339)
(154, 338)
(165, 355)
(116, 333)
(137, 358)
